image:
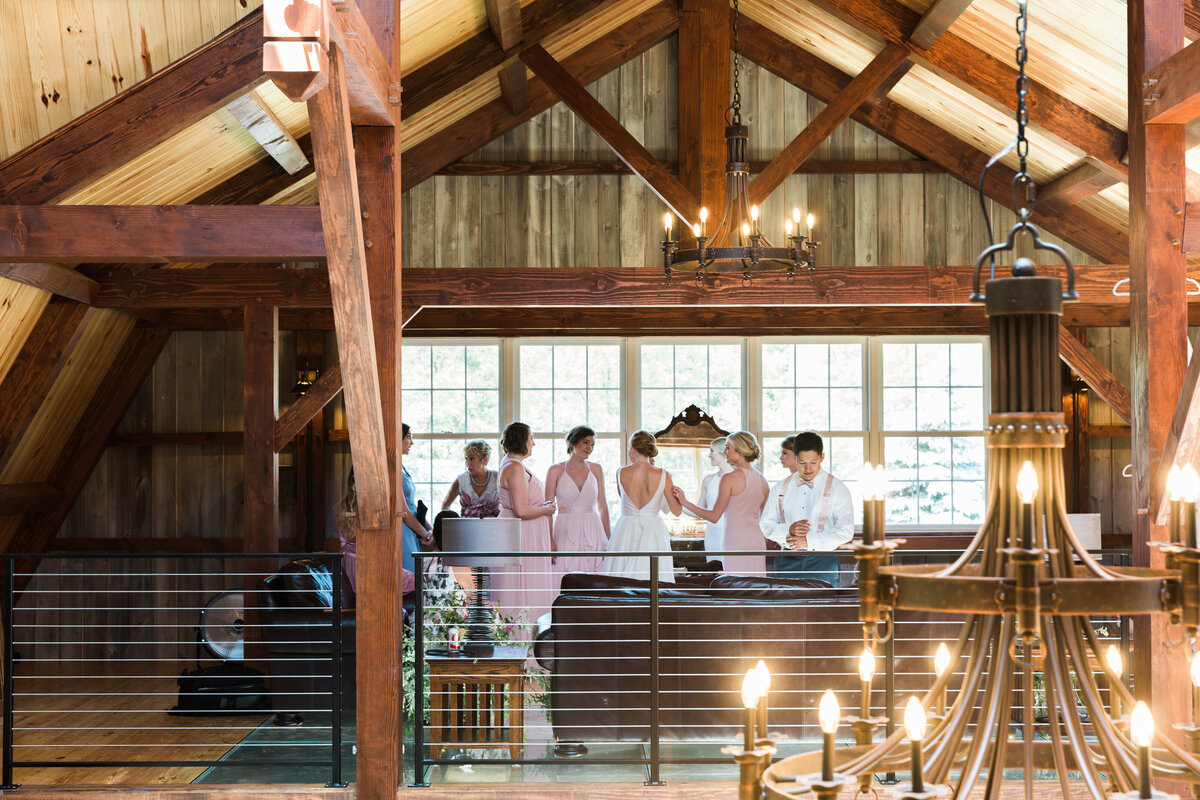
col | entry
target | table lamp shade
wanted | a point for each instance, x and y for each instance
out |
(481, 536)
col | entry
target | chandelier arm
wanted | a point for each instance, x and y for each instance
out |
(1115, 746)
(999, 667)
(1055, 674)
(1060, 761)
(1027, 725)
(1000, 742)
(949, 733)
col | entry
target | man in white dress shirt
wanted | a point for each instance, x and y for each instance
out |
(809, 511)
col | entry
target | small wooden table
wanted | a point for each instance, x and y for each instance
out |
(468, 704)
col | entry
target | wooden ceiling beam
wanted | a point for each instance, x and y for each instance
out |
(307, 406)
(1171, 90)
(504, 20)
(514, 85)
(1099, 379)
(920, 136)
(590, 62)
(985, 75)
(372, 88)
(19, 498)
(265, 128)
(705, 37)
(160, 234)
(937, 20)
(885, 86)
(214, 287)
(482, 53)
(830, 117)
(1076, 184)
(660, 180)
(341, 216)
(916, 166)
(138, 118)
(53, 279)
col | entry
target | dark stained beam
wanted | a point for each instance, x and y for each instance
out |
(916, 166)
(1171, 90)
(1075, 355)
(341, 216)
(885, 86)
(138, 118)
(681, 201)
(481, 53)
(705, 36)
(514, 85)
(35, 369)
(937, 20)
(214, 287)
(79, 456)
(369, 78)
(590, 62)
(53, 279)
(160, 234)
(818, 130)
(988, 76)
(916, 134)
(1072, 186)
(19, 498)
(260, 392)
(504, 20)
(307, 406)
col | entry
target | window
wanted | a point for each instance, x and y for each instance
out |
(931, 419)
(449, 395)
(676, 375)
(564, 385)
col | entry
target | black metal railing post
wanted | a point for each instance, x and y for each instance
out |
(889, 686)
(335, 778)
(654, 698)
(10, 594)
(419, 677)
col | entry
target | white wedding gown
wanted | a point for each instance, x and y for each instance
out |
(641, 530)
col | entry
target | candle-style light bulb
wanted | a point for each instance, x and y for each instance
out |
(754, 213)
(1027, 482)
(829, 714)
(787, 227)
(1196, 670)
(764, 686)
(866, 672)
(1196, 688)
(796, 215)
(866, 482)
(811, 220)
(1141, 731)
(667, 223)
(750, 692)
(1116, 668)
(745, 230)
(914, 728)
(1190, 489)
(697, 230)
(1175, 483)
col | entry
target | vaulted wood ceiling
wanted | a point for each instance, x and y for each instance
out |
(93, 115)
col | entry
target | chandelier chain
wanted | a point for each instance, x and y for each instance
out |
(734, 117)
(1022, 176)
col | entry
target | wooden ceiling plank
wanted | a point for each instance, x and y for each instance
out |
(36, 367)
(987, 76)
(54, 279)
(341, 213)
(514, 85)
(79, 456)
(590, 62)
(668, 188)
(481, 54)
(504, 19)
(157, 234)
(937, 20)
(818, 130)
(261, 123)
(923, 138)
(916, 166)
(1076, 184)
(1099, 379)
(138, 118)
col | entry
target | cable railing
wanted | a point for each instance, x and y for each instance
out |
(175, 661)
(652, 663)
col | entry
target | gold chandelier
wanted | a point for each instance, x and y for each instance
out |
(1027, 588)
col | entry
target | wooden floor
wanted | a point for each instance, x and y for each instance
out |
(124, 720)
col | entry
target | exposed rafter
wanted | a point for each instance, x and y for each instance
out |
(261, 123)
(54, 279)
(918, 166)
(1075, 354)
(937, 20)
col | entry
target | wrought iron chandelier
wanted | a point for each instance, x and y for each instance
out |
(1027, 588)
(736, 244)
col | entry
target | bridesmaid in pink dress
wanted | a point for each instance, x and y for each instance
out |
(577, 486)
(524, 592)
(740, 500)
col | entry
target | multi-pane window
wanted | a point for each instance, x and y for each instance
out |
(931, 418)
(450, 394)
(564, 385)
(675, 376)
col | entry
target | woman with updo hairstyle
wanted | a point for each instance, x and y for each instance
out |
(714, 532)
(577, 488)
(644, 490)
(528, 589)
(477, 489)
(741, 496)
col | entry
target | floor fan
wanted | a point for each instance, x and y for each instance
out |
(229, 687)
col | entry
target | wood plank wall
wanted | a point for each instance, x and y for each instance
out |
(611, 221)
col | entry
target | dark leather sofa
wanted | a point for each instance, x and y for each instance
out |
(297, 613)
(597, 651)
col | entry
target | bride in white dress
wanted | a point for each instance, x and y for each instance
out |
(644, 490)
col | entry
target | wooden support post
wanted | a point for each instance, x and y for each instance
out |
(715, 36)
(260, 390)
(1158, 331)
